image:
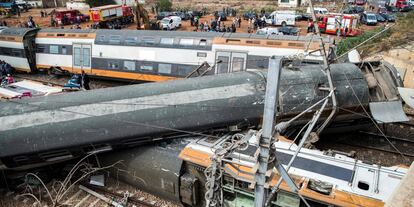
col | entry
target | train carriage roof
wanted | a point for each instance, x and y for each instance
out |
(17, 32)
(83, 31)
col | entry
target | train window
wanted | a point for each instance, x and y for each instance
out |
(129, 65)
(294, 44)
(11, 38)
(7, 51)
(363, 185)
(40, 48)
(232, 40)
(186, 42)
(16, 53)
(164, 68)
(184, 70)
(273, 43)
(60, 35)
(253, 42)
(101, 38)
(83, 35)
(114, 39)
(131, 40)
(203, 42)
(54, 49)
(201, 54)
(148, 40)
(64, 50)
(147, 66)
(113, 65)
(167, 41)
(238, 64)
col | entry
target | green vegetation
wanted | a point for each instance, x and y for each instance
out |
(95, 3)
(164, 5)
(397, 35)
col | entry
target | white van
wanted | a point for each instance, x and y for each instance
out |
(171, 23)
(282, 18)
(318, 10)
(269, 31)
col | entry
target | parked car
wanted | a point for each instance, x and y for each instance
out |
(196, 13)
(380, 18)
(389, 17)
(220, 14)
(382, 10)
(359, 9)
(349, 10)
(391, 8)
(171, 23)
(183, 15)
(360, 2)
(162, 15)
(269, 31)
(289, 30)
(249, 15)
(369, 19)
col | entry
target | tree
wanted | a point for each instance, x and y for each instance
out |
(164, 5)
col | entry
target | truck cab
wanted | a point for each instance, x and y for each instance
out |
(64, 17)
(402, 5)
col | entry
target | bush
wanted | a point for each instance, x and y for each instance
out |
(350, 42)
(164, 5)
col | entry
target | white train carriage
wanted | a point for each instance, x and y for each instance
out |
(16, 46)
(69, 50)
(159, 55)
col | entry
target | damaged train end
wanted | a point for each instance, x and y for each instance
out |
(181, 172)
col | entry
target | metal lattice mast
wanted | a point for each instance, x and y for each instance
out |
(266, 139)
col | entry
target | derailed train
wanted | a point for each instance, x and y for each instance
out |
(56, 128)
(145, 55)
(177, 172)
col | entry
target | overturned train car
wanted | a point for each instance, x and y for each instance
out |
(177, 172)
(54, 128)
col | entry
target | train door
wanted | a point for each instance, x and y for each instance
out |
(364, 181)
(228, 62)
(82, 58)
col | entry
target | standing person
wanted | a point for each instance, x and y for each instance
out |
(346, 31)
(85, 80)
(239, 20)
(31, 23)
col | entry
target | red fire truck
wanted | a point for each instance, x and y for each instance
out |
(110, 16)
(332, 24)
(64, 17)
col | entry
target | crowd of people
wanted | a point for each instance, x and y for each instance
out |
(29, 24)
(6, 71)
(216, 25)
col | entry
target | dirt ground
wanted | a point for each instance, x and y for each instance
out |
(186, 26)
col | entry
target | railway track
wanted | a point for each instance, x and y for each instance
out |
(80, 198)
